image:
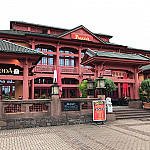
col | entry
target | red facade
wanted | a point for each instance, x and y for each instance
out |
(65, 49)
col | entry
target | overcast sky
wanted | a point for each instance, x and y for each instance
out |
(128, 21)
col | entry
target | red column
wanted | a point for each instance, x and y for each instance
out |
(25, 80)
(33, 44)
(119, 91)
(79, 67)
(32, 88)
(57, 56)
(136, 90)
(131, 91)
(96, 71)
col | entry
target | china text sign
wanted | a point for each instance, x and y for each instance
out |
(99, 110)
(81, 37)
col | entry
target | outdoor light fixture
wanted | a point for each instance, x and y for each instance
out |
(90, 87)
(55, 88)
(100, 82)
(90, 84)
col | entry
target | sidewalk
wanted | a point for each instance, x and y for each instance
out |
(119, 135)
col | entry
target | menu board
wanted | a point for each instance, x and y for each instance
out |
(99, 110)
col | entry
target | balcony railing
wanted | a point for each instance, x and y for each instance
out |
(69, 69)
(45, 68)
(86, 70)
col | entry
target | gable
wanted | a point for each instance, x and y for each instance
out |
(81, 33)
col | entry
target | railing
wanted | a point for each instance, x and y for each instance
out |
(25, 108)
(69, 69)
(38, 107)
(86, 70)
(12, 108)
(45, 68)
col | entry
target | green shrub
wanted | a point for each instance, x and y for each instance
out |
(83, 88)
(145, 86)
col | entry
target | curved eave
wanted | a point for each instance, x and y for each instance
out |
(114, 60)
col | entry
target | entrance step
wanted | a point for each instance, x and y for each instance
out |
(130, 113)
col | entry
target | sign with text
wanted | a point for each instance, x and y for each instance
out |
(81, 37)
(9, 71)
(72, 106)
(118, 73)
(99, 110)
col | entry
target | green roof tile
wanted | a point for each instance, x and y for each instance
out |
(10, 47)
(94, 53)
(146, 67)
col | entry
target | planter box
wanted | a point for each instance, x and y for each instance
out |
(146, 105)
(135, 104)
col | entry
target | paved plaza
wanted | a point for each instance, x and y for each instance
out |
(119, 135)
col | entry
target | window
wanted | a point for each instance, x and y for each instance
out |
(72, 62)
(44, 60)
(82, 53)
(38, 49)
(67, 52)
(66, 60)
(50, 61)
(50, 50)
(61, 61)
(61, 51)
(44, 49)
(37, 81)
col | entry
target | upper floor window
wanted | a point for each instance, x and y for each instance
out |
(38, 49)
(44, 49)
(82, 53)
(61, 51)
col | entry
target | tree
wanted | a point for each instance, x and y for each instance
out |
(145, 86)
(83, 88)
(109, 84)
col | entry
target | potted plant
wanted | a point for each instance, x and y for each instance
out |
(145, 86)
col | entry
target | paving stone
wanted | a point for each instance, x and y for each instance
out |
(119, 135)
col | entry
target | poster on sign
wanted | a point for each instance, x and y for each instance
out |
(99, 110)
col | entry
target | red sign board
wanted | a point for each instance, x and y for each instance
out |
(118, 73)
(99, 110)
(81, 37)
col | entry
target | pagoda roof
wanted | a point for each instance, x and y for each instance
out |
(9, 47)
(94, 53)
(145, 68)
(46, 26)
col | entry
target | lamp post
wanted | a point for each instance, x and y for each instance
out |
(56, 105)
(101, 86)
(90, 88)
(55, 89)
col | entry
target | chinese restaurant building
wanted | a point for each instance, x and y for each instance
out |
(31, 52)
(16, 65)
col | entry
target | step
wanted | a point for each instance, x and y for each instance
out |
(134, 114)
(117, 110)
(131, 112)
(131, 117)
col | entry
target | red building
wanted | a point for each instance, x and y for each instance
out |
(65, 48)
